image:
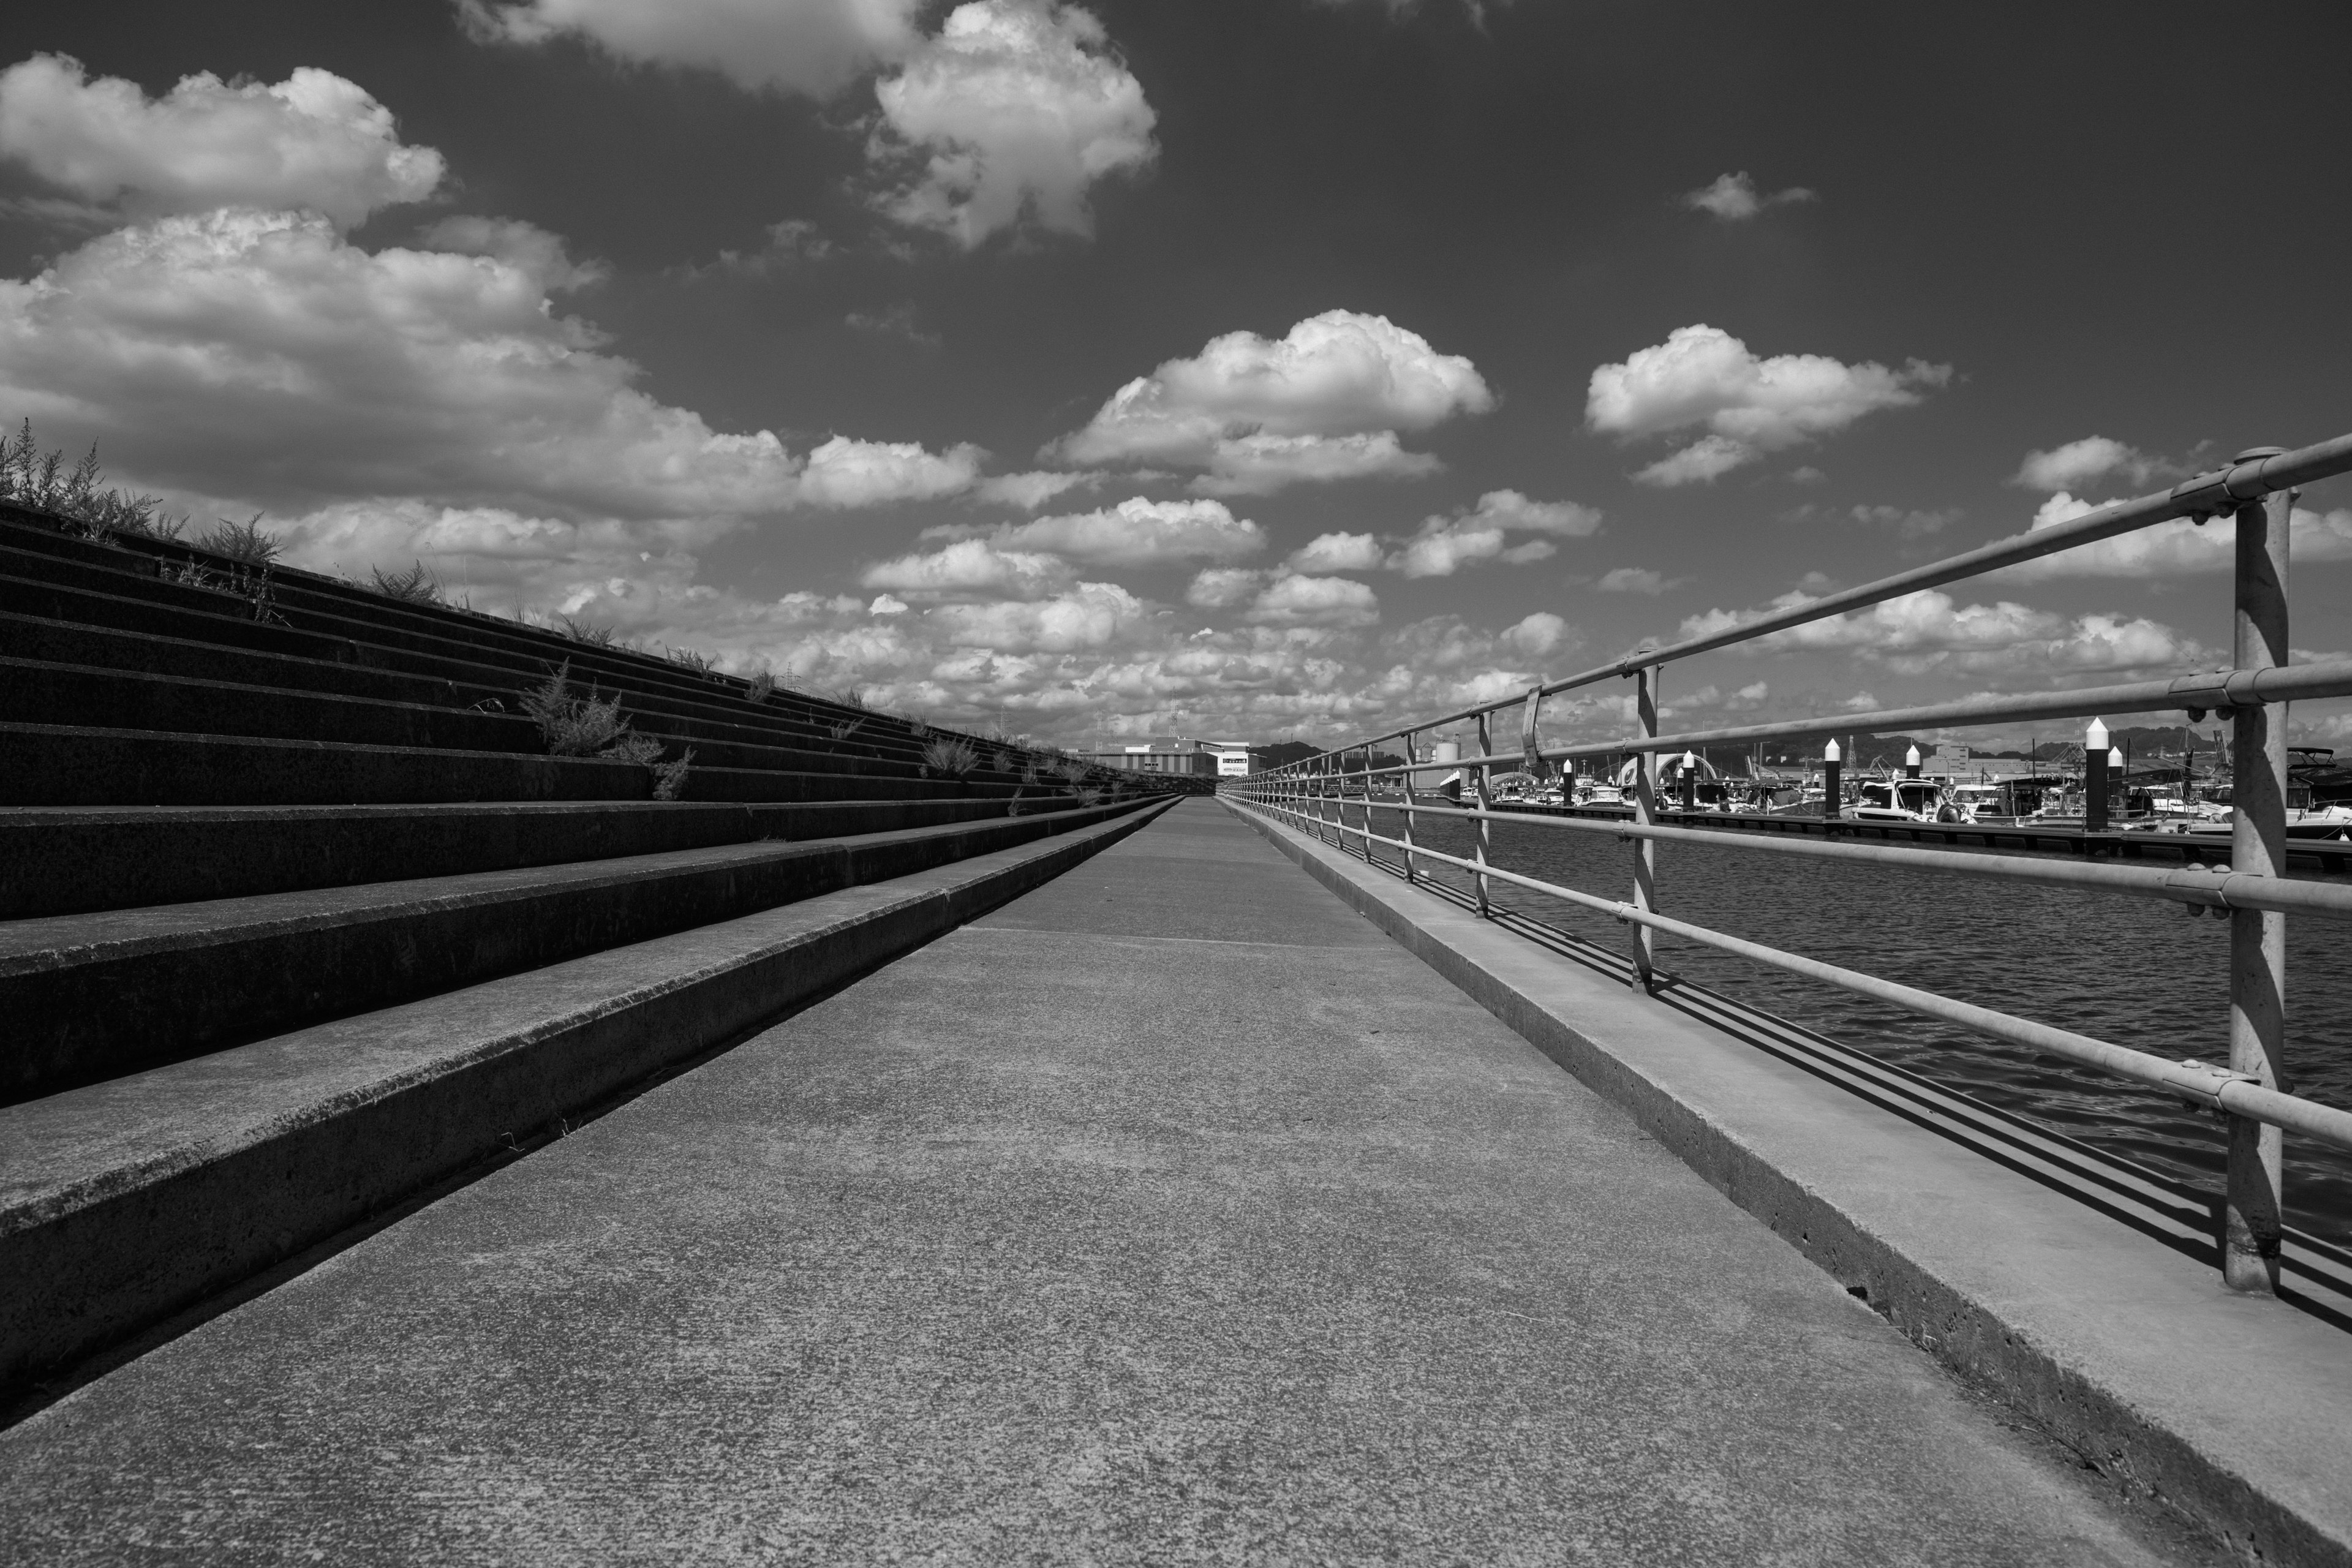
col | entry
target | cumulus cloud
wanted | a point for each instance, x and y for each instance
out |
(2174, 549)
(970, 566)
(1294, 600)
(1748, 406)
(1015, 110)
(1734, 197)
(1324, 402)
(1140, 532)
(846, 473)
(812, 47)
(1261, 464)
(1928, 630)
(260, 355)
(1538, 635)
(1088, 615)
(1446, 544)
(313, 143)
(1636, 580)
(2094, 457)
(1029, 491)
(1222, 588)
(528, 248)
(1338, 552)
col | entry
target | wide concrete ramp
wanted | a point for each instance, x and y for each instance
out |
(1171, 1212)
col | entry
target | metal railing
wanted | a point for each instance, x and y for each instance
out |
(2256, 492)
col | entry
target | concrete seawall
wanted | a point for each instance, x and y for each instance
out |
(2235, 1410)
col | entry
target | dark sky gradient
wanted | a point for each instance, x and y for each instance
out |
(2126, 219)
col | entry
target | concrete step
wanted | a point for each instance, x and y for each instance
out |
(480, 672)
(35, 691)
(94, 995)
(315, 606)
(440, 643)
(66, 765)
(481, 690)
(59, 860)
(126, 1200)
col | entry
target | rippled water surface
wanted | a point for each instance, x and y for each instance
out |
(2136, 972)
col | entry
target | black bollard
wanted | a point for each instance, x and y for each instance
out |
(1830, 768)
(2095, 792)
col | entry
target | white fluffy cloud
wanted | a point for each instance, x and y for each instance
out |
(1446, 544)
(1338, 552)
(971, 566)
(1734, 198)
(260, 355)
(1929, 630)
(1635, 580)
(1016, 108)
(313, 143)
(1028, 491)
(1140, 532)
(1088, 615)
(808, 46)
(1261, 464)
(1748, 406)
(2087, 461)
(2178, 548)
(1324, 402)
(1292, 600)
(843, 472)
(1540, 634)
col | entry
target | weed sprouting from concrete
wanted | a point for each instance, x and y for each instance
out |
(41, 482)
(950, 754)
(583, 631)
(761, 686)
(669, 777)
(687, 658)
(845, 728)
(577, 724)
(573, 724)
(417, 585)
(243, 542)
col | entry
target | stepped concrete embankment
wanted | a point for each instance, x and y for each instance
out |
(1170, 1211)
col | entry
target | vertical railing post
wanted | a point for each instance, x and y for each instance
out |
(1645, 850)
(1405, 799)
(1479, 845)
(2251, 1212)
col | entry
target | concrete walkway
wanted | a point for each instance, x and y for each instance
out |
(1170, 1213)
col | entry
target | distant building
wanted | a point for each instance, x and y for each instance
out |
(1184, 754)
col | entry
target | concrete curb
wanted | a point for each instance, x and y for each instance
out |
(124, 1203)
(2233, 1411)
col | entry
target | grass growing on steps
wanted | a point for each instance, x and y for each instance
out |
(588, 724)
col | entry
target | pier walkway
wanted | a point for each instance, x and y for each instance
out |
(1169, 1212)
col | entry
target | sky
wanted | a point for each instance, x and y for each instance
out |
(1244, 369)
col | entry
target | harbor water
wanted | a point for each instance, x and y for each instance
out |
(2137, 972)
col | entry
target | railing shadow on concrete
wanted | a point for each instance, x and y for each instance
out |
(2256, 493)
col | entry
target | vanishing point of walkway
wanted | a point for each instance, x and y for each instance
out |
(1169, 1213)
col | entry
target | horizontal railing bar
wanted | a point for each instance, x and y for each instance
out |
(2205, 691)
(2217, 889)
(2217, 490)
(2206, 1087)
